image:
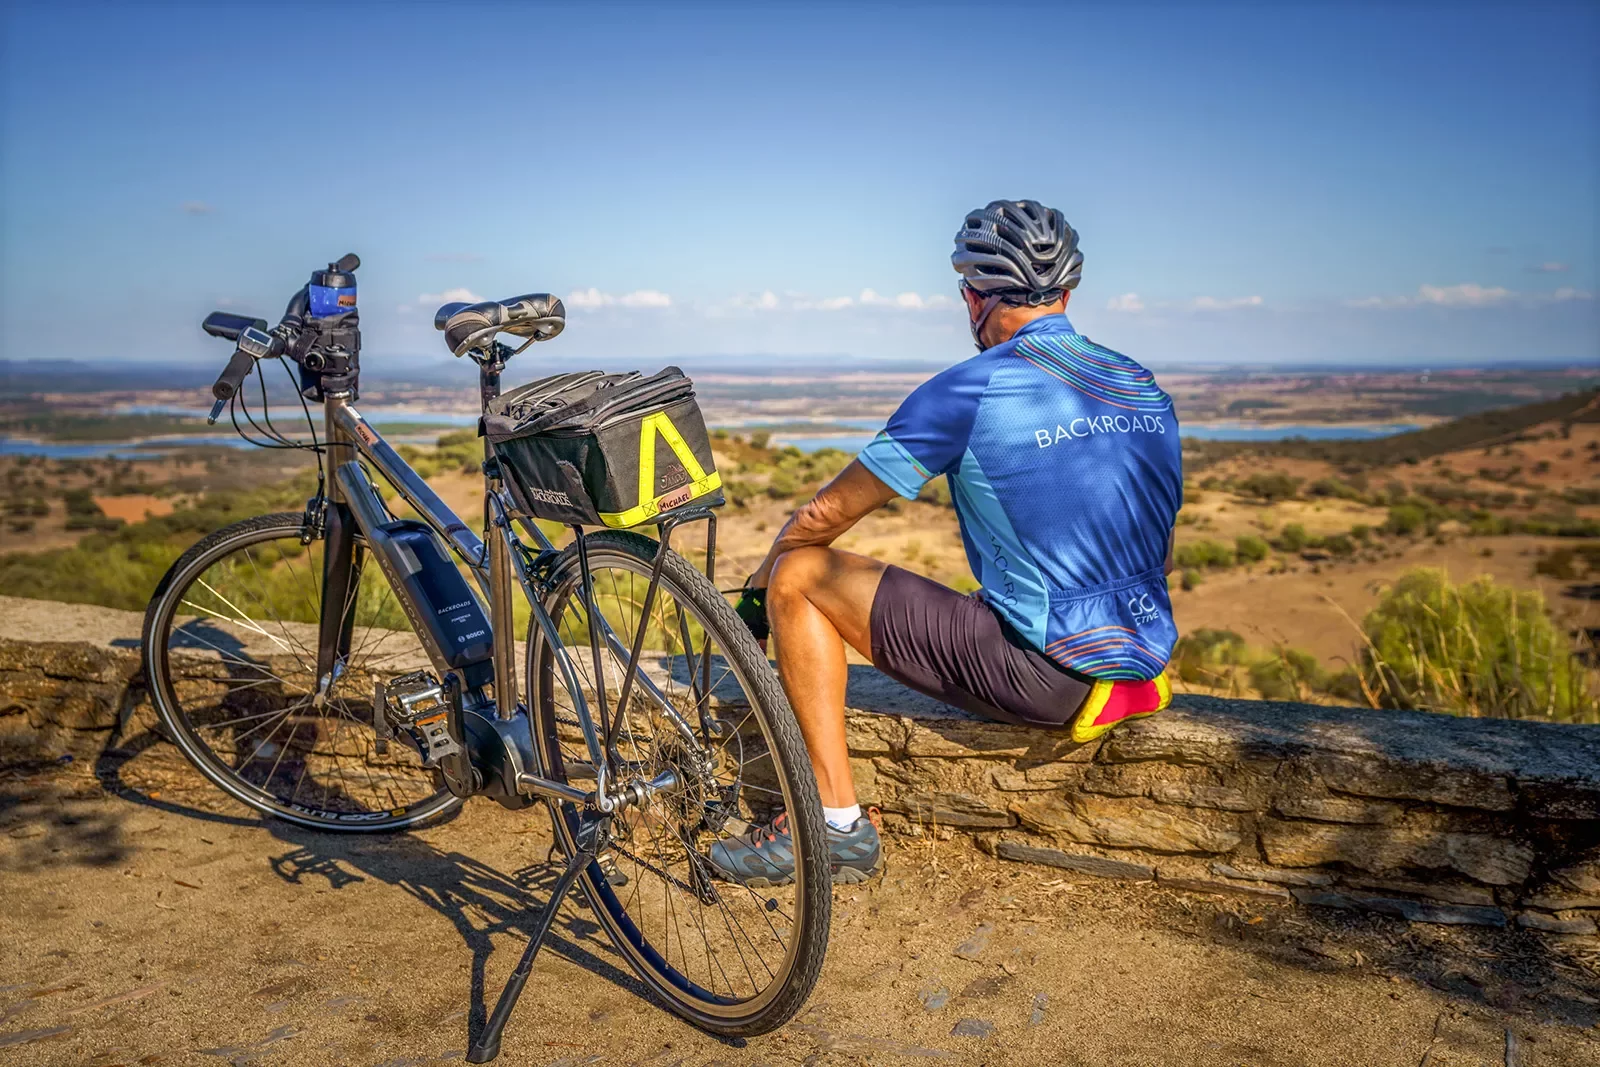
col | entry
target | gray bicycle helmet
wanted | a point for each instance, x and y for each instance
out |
(1018, 249)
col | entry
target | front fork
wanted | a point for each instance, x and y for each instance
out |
(341, 578)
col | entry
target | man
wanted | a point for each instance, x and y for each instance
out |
(1064, 467)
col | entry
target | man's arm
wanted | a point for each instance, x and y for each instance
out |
(854, 493)
(1172, 545)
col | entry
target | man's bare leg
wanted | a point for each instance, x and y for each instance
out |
(819, 599)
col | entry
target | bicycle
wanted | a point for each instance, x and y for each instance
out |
(317, 689)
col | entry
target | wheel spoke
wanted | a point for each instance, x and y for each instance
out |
(714, 946)
(226, 720)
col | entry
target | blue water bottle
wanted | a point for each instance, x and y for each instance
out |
(332, 291)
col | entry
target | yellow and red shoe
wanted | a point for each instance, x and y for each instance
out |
(1110, 703)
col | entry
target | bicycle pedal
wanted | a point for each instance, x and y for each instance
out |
(417, 705)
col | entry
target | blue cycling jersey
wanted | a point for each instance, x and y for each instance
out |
(1066, 473)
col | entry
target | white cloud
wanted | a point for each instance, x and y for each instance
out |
(196, 207)
(1467, 294)
(1566, 292)
(908, 301)
(1212, 303)
(1551, 267)
(639, 298)
(1133, 302)
(449, 296)
(867, 298)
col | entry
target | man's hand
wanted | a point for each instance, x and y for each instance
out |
(752, 609)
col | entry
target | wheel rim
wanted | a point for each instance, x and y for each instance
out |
(236, 673)
(722, 960)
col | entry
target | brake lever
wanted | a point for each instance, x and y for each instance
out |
(252, 346)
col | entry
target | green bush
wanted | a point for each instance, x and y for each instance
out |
(1250, 548)
(1189, 579)
(1269, 486)
(1288, 674)
(1478, 649)
(1207, 656)
(1207, 553)
(782, 485)
(1405, 519)
(1292, 538)
(1339, 545)
(1333, 487)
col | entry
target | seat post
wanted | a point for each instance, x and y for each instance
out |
(501, 578)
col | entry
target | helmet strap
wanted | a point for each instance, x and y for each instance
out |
(990, 302)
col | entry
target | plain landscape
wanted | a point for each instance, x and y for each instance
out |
(1421, 540)
(1310, 496)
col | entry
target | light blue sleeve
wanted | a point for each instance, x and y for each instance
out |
(896, 467)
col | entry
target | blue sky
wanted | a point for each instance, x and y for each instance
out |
(1252, 183)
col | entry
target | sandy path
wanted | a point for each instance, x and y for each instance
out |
(179, 930)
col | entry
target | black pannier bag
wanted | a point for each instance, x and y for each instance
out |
(604, 449)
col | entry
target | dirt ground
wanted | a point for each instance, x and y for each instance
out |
(177, 929)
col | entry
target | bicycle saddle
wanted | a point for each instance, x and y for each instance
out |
(536, 316)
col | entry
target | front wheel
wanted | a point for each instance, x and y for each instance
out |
(230, 655)
(731, 959)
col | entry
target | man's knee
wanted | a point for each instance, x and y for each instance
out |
(798, 572)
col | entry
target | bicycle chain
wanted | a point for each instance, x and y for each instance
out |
(653, 869)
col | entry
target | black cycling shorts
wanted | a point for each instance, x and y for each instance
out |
(954, 648)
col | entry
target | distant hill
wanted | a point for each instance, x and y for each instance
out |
(1470, 431)
(20, 377)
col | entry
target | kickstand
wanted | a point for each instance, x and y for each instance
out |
(487, 1047)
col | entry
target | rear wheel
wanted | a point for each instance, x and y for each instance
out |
(230, 654)
(734, 960)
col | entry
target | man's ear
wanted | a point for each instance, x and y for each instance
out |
(974, 301)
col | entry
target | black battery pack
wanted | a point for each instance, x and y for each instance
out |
(445, 604)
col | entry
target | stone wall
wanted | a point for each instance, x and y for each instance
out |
(1426, 817)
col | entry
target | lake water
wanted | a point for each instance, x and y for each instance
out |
(848, 442)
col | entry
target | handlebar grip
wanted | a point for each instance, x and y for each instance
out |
(233, 375)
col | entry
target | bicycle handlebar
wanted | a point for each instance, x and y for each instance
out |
(252, 344)
(322, 305)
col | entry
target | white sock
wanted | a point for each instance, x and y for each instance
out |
(841, 818)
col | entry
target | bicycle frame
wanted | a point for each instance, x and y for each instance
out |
(496, 565)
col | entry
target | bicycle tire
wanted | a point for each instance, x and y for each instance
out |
(812, 886)
(155, 647)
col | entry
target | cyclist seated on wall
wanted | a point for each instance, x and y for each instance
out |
(1064, 467)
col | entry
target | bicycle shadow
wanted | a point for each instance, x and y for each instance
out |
(480, 900)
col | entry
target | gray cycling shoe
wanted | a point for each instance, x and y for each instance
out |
(765, 856)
